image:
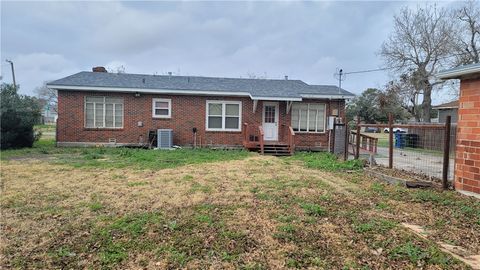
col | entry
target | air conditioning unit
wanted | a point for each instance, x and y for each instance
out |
(164, 138)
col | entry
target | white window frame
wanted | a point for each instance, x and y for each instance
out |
(154, 100)
(104, 114)
(308, 120)
(224, 116)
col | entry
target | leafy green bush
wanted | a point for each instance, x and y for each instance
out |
(19, 114)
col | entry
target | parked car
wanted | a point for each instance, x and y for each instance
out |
(372, 130)
(395, 130)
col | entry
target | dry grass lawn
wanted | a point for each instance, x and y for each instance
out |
(256, 212)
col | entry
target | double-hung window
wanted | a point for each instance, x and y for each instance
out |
(224, 115)
(161, 108)
(308, 117)
(103, 112)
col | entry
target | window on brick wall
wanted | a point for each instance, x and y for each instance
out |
(308, 117)
(103, 112)
(161, 108)
(224, 115)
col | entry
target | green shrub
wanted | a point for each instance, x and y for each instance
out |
(18, 116)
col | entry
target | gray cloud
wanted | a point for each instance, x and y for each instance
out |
(305, 40)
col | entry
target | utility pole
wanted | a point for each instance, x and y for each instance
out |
(13, 74)
(341, 77)
(340, 74)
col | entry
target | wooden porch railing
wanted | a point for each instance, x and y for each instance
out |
(367, 142)
(253, 137)
(245, 135)
(260, 139)
(291, 140)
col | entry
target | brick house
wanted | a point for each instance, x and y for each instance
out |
(467, 159)
(121, 109)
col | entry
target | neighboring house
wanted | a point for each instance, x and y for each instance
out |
(447, 109)
(49, 114)
(121, 109)
(467, 157)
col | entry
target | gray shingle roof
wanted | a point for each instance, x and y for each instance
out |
(256, 88)
(448, 105)
(326, 90)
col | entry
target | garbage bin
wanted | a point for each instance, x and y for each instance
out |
(399, 140)
(411, 140)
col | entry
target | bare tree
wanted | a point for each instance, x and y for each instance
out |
(407, 95)
(467, 33)
(419, 44)
(49, 95)
(253, 75)
(117, 69)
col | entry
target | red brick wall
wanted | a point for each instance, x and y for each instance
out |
(467, 162)
(187, 112)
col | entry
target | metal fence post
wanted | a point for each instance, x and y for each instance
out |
(446, 152)
(390, 141)
(357, 139)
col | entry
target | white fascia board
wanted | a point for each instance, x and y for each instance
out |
(277, 98)
(444, 108)
(146, 90)
(456, 73)
(327, 96)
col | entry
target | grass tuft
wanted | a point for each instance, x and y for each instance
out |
(313, 209)
(326, 161)
(415, 254)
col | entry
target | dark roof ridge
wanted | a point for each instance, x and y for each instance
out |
(192, 76)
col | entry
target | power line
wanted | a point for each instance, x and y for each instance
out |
(366, 71)
(400, 66)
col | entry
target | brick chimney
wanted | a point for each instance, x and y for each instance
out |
(99, 69)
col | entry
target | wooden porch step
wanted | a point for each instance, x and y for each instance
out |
(276, 149)
(271, 148)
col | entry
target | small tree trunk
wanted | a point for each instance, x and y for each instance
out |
(427, 102)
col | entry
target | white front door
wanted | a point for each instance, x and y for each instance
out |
(270, 121)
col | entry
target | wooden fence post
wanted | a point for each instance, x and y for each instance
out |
(357, 139)
(332, 138)
(446, 152)
(345, 153)
(390, 141)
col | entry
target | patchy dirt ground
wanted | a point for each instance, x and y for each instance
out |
(255, 213)
(408, 175)
(423, 162)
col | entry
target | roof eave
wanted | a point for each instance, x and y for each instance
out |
(444, 108)
(458, 73)
(147, 90)
(277, 98)
(169, 91)
(321, 96)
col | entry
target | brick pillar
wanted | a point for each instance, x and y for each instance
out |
(467, 160)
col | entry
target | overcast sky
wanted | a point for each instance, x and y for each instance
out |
(304, 40)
